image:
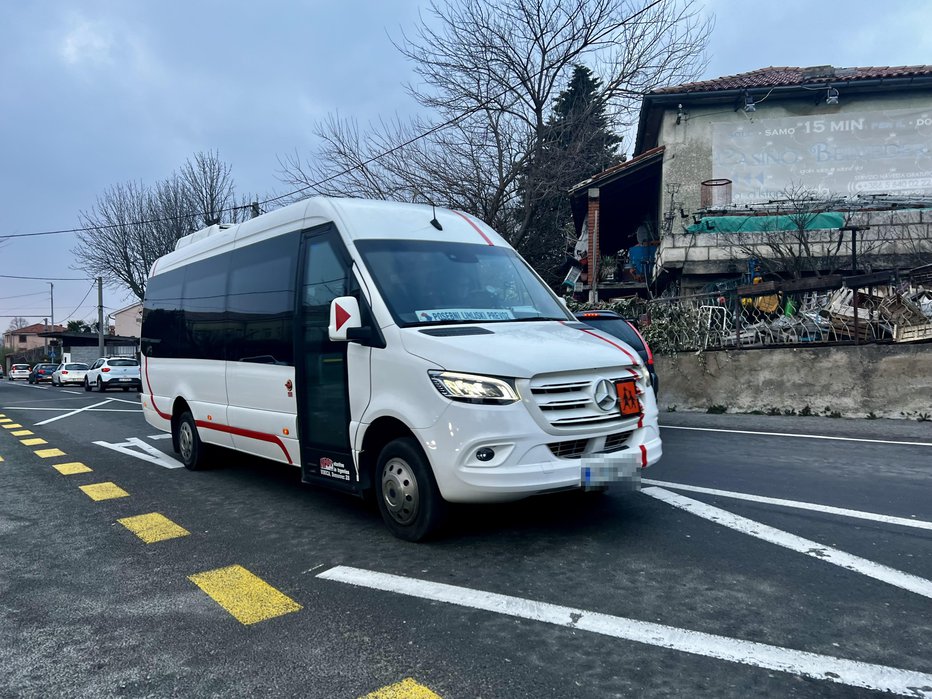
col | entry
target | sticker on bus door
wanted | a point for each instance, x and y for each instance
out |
(334, 469)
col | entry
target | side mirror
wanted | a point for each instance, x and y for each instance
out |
(344, 316)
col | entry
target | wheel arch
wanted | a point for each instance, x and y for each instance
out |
(382, 431)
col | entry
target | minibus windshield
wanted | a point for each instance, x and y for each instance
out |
(437, 282)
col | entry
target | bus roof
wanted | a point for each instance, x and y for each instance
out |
(355, 218)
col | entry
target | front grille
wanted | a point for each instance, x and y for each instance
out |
(614, 442)
(568, 450)
(567, 401)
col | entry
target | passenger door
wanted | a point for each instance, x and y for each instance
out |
(322, 375)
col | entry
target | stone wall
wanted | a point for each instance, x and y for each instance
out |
(892, 381)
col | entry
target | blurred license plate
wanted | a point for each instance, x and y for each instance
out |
(628, 402)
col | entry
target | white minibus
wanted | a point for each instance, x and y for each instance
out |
(388, 348)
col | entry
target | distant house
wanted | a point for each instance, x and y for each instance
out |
(127, 321)
(714, 162)
(28, 338)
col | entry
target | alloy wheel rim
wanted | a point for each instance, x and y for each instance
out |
(185, 441)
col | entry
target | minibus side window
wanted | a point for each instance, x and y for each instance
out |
(260, 298)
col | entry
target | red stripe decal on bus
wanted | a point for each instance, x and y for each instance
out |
(164, 416)
(473, 224)
(252, 434)
(643, 456)
(605, 339)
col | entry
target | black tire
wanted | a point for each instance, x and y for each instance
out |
(87, 386)
(100, 386)
(406, 491)
(188, 443)
(125, 389)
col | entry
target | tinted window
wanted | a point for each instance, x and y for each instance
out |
(261, 301)
(76, 367)
(123, 362)
(205, 307)
(163, 328)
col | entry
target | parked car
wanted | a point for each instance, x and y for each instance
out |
(19, 371)
(72, 372)
(113, 372)
(622, 328)
(41, 372)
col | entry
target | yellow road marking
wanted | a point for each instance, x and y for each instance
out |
(21, 433)
(104, 491)
(248, 598)
(406, 689)
(71, 468)
(6, 419)
(49, 453)
(1, 458)
(33, 442)
(153, 527)
(12, 426)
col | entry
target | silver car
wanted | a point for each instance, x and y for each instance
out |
(72, 372)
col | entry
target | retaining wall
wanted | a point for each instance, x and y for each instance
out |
(887, 380)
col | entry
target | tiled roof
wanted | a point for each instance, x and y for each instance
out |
(790, 76)
(36, 328)
(615, 169)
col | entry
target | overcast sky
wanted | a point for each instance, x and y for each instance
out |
(101, 92)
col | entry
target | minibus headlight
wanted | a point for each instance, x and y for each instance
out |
(471, 388)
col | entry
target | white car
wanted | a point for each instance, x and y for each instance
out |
(113, 372)
(72, 372)
(19, 371)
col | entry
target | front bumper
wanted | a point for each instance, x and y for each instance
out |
(524, 464)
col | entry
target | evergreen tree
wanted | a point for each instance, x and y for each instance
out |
(578, 143)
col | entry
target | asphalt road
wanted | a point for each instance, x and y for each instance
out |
(669, 592)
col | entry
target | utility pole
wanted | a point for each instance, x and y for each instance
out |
(52, 314)
(100, 316)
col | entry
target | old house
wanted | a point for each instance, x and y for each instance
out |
(835, 163)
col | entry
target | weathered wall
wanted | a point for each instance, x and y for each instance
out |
(886, 380)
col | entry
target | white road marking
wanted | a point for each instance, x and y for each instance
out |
(72, 412)
(148, 452)
(160, 435)
(898, 578)
(822, 667)
(815, 507)
(800, 436)
(78, 393)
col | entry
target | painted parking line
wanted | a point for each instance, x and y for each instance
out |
(49, 453)
(1, 458)
(72, 468)
(72, 412)
(5, 419)
(139, 449)
(12, 426)
(406, 689)
(799, 436)
(104, 491)
(153, 527)
(814, 507)
(822, 667)
(21, 433)
(246, 596)
(33, 441)
(828, 554)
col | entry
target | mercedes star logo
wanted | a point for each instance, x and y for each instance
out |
(605, 395)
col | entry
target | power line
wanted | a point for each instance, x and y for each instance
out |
(89, 290)
(432, 130)
(43, 279)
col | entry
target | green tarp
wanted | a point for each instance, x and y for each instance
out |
(830, 220)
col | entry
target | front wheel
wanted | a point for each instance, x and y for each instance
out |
(409, 500)
(188, 442)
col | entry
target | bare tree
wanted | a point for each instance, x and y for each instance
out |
(132, 225)
(489, 72)
(17, 323)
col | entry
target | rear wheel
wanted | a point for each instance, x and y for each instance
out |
(100, 386)
(87, 386)
(190, 447)
(407, 494)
